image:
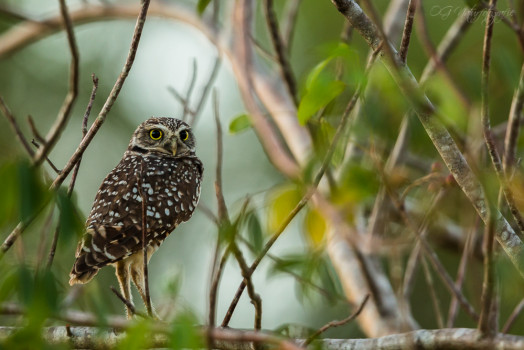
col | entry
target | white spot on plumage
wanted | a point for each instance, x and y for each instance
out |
(166, 211)
(150, 213)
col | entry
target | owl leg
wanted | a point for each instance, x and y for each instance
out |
(122, 274)
(137, 274)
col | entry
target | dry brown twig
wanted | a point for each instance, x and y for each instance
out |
(75, 170)
(95, 126)
(337, 323)
(69, 101)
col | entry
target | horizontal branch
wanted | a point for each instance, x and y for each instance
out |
(231, 339)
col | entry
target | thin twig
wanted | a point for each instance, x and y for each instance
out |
(438, 133)
(280, 50)
(49, 161)
(213, 291)
(513, 317)
(427, 44)
(34, 130)
(190, 89)
(512, 130)
(485, 119)
(84, 131)
(488, 284)
(337, 323)
(304, 200)
(408, 28)
(69, 101)
(299, 278)
(12, 121)
(461, 273)
(110, 99)
(428, 250)
(56, 234)
(432, 293)
(223, 215)
(126, 302)
(206, 90)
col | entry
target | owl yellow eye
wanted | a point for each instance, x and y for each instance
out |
(184, 135)
(155, 134)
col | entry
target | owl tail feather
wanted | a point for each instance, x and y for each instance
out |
(82, 277)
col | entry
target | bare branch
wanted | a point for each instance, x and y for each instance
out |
(461, 273)
(488, 285)
(51, 164)
(408, 27)
(291, 12)
(67, 106)
(337, 323)
(206, 90)
(439, 135)
(75, 170)
(513, 317)
(223, 215)
(190, 90)
(12, 121)
(110, 99)
(279, 47)
(512, 130)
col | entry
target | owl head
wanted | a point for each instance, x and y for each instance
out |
(165, 136)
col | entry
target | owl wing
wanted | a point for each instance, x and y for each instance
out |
(171, 191)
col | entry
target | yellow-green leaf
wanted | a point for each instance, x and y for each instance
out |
(239, 124)
(315, 228)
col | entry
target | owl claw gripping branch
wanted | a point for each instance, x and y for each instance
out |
(160, 168)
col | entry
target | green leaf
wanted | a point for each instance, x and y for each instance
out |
(317, 97)
(281, 202)
(32, 191)
(71, 223)
(255, 232)
(239, 124)
(185, 334)
(201, 6)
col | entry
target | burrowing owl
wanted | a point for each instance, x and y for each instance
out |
(159, 168)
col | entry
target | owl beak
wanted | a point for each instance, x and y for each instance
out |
(174, 148)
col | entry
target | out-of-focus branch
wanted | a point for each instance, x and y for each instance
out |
(115, 91)
(278, 45)
(512, 318)
(512, 130)
(291, 12)
(488, 284)
(18, 132)
(408, 28)
(337, 323)
(54, 242)
(437, 132)
(244, 69)
(67, 106)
